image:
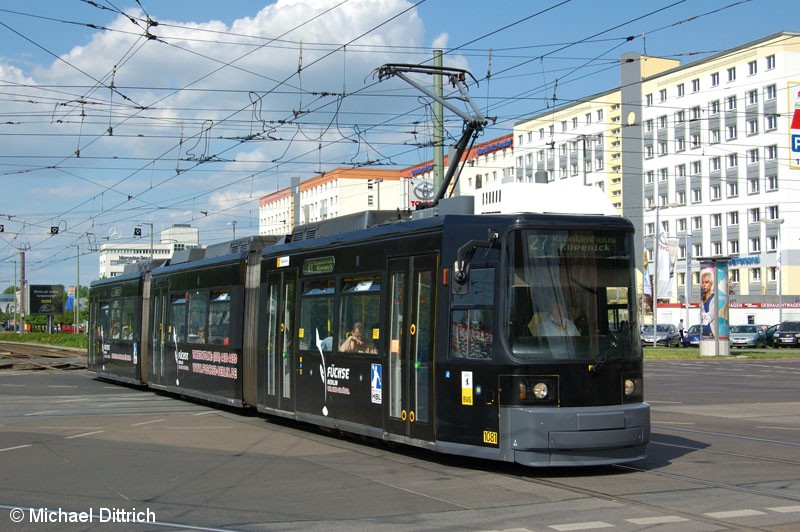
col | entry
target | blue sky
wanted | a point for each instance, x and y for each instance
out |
(104, 129)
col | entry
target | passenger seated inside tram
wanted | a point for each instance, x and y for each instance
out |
(555, 322)
(357, 341)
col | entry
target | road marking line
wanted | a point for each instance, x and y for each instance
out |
(84, 434)
(42, 412)
(148, 422)
(785, 509)
(734, 513)
(61, 386)
(205, 413)
(17, 447)
(660, 520)
(582, 526)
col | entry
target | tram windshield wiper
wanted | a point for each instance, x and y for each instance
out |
(615, 341)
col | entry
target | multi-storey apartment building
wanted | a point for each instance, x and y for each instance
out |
(717, 170)
(113, 257)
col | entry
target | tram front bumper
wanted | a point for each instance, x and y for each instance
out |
(575, 436)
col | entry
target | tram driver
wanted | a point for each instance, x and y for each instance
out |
(555, 322)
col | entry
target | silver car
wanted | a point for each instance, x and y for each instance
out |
(747, 336)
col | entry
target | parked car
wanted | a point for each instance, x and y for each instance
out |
(788, 334)
(747, 336)
(691, 336)
(666, 334)
(770, 334)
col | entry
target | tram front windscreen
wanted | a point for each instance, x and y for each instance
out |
(569, 294)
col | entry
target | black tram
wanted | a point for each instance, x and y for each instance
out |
(505, 337)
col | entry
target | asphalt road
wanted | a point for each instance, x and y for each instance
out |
(725, 455)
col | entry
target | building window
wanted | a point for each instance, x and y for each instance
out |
(695, 140)
(715, 79)
(770, 92)
(696, 167)
(662, 122)
(680, 170)
(733, 189)
(573, 169)
(730, 103)
(754, 215)
(695, 85)
(648, 99)
(563, 125)
(599, 115)
(649, 177)
(730, 132)
(588, 118)
(716, 192)
(771, 122)
(662, 148)
(732, 74)
(733, 218)
(752, 68)
(648, 151)
(714, 107)
(697, 251)
(662, 95)
(755, 245)
(733, 160)
(733, 247)
(772, 182)
(773, 212)
(717, 247)
(716, 220)
(772, 243)
(697, 195)
(752, 156)
(574, 122)
(541, 132)
(680, 198)
(680, 144)
(680, 117)
(650, 229)
(715, 164)
(755, 275)
(681, 225)
(752, 185)
(681, 90)
(696, 112)
(697, 223)
(752, 97)
(713, 135)
(771, 152)
(770, 62)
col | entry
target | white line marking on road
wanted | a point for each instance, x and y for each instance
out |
(785, 509)
(42, 412)
(660, 520)
(17, 447)
(582, 526)
(734, 513)
(148, 422)
(84, 434)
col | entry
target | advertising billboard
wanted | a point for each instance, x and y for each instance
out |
(45, 299)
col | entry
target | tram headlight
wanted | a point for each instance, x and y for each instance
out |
(632, 388)
(535, 391)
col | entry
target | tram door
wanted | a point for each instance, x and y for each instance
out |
(408, 377)
(279, 366)
(158, 337)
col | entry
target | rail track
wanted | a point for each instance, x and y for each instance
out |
(24, 356)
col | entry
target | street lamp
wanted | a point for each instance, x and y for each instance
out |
(77, 304)
(778, 222)
(233, 223)
(656, 246)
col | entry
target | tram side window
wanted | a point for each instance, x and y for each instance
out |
(359, 328)
(104, 320)
(316, 315)
(471, 333)
(177, 318)
(198, 312)
(130, 329)
(472, 329)
(219, 316)
(116, 327)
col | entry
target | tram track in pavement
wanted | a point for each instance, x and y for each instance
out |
(28, 356)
